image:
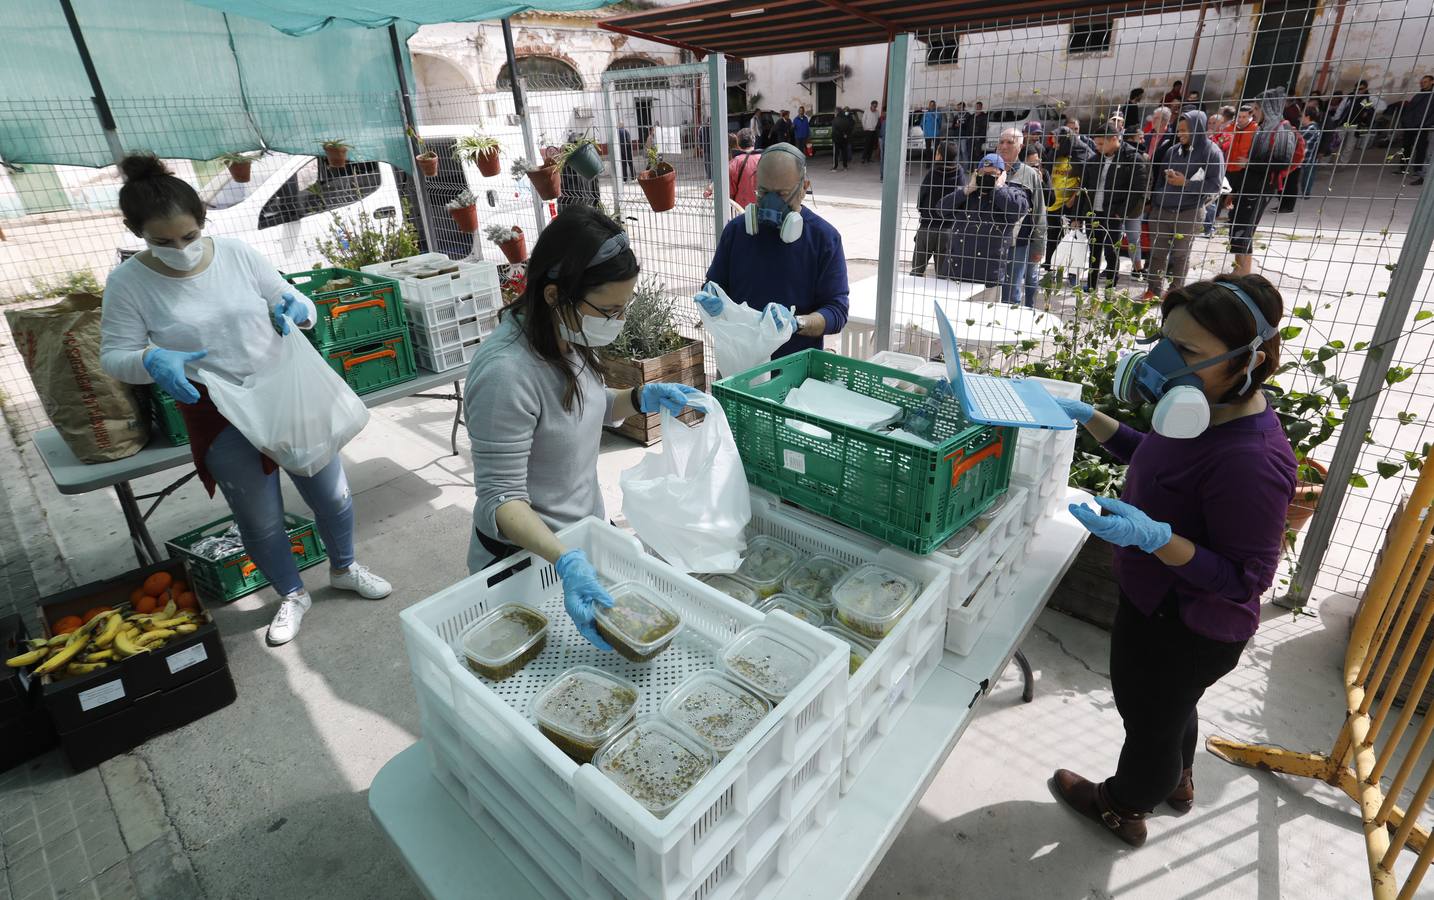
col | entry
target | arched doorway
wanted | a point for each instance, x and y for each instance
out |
(443, 90)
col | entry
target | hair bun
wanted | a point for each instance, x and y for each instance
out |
(139, 166)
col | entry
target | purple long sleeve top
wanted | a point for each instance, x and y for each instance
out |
(1226, 491)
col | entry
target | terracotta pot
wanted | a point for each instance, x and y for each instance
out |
(586, 162)
(239, 171)
(489, 163)
(517, 249)
(1307, 495)
(602, 149)
(661, 190)
(466, 218)
(338, 157)
(547, 180)
(427, 163)
(551, 153)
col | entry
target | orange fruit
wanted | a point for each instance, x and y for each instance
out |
(68, 624)
(145, 605)
(156, 583)
(178, 588)
(96, 611)
(135, 594)
(186, 600)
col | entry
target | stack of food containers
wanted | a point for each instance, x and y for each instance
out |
(452, 305)
(1043, 461)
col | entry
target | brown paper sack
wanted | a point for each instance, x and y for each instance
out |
(99, 417)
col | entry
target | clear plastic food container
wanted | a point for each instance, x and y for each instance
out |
(768, 560)
(767, 662)
(988, 518)
(814, 579)
(655, 763)
(870, 600)
(504, 640)
(718, 710)
(960, 541)
(640, 624)
(583, 708)
(861, 648)
(737, 590)
(796, 607)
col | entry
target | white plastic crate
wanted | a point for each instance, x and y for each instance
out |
(1036, 450)
(880, 690)
(648, 857)
(776, 820)
(464, 331)
(447, 359)
(418, 286)
(967, 622)
(434, 314)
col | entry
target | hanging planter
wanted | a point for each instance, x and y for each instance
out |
(481, 151)
(582, 157)
(490, 163)
(547, 180)
(427, 164)
(337, 154)
(602, 149)
(464, 210)
(511, 241)
(239, 166)
(658, 182)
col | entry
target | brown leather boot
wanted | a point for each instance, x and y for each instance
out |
(1090, 800)
(1183, 797)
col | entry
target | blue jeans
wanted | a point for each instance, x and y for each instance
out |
(1020, 274)
(258, 507)
(1307, 175)
(1132, 239)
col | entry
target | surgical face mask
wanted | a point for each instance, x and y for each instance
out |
(597, 331)
(180, 259)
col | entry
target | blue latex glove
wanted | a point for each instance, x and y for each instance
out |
(580, 591)
(1078, 411)
(1126, 526)
(166, 367)
(662, 395)
(292, 309)
(783, 316)
(710, 302)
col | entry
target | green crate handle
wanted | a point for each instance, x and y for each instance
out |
(966, 463)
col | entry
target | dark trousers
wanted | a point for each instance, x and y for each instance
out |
(1104, 242)
(928, 247)
(870, 146)
(1252, 196)
(1416, 149)
(627, 170)
(1159, 669)
(841, 152)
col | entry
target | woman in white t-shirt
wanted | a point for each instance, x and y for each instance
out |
(192, 306)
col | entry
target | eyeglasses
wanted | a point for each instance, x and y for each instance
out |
(620, 313)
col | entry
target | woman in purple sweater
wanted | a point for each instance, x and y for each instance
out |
(1198, 533)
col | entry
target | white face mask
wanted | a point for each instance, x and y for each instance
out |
(597, 331)
(180, 259)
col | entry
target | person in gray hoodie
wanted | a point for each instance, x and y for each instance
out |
(1183, 181)
(1272, 149)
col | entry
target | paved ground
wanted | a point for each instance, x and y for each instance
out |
(266, 798)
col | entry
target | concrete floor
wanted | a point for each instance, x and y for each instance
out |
(268, 796)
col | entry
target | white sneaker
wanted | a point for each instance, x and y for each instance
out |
(286, 621)
(361, 581)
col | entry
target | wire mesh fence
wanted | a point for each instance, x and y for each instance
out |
(1018, 277)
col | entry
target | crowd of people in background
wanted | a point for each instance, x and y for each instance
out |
(1145, 180)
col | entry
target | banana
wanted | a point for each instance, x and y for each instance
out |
(59, 639)
(114, 622)
(27, 659)
(99, 656)
(177, 620)
(125, 646)
(169, 610)
(84, 668)
(158, 636)
(62, 656)
(187, 628)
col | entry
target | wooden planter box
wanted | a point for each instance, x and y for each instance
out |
(1089, 590)
(683, 365)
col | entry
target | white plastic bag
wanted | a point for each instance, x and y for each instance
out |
(1072, 254)
(742, 337)
(298, 412)
(688, 500)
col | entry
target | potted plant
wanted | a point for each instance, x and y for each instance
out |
(582, 156)
(480, 150)
(464, 210)
(658, 182)
(546, 179)
(510, 240)
(364, 240)
(650, 349)
(337, 153)
(239, 166)
(426, 160)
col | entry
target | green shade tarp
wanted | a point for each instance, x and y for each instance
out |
(301, 17)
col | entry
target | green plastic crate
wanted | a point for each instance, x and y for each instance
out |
(164, 416)
(374, 363)
(373, 306)
(235, 576)
(909, 495)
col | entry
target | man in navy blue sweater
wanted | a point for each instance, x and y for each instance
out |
(799, 271)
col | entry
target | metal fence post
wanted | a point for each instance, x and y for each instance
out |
(410, 123)
(615, 148)
(520, 108)
(1382, 346)
(717, 138)
(893, 165)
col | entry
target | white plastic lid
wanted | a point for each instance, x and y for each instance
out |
(639, 618)
(874, 595)
(586, 704)
(795, 607)
(767, 661)
(960, 541)
(767, 560)
(655, 763)
(718, 710)
(733, 588)
(503, 634)
(814, 579)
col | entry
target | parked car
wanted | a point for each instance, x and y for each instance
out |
(821, 137)
(999, 118)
